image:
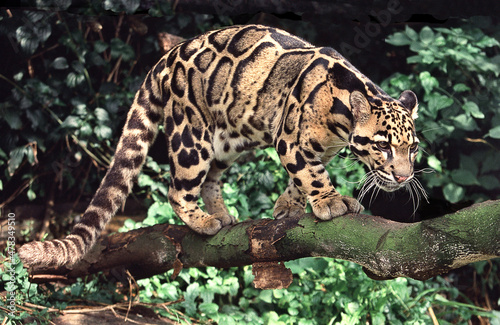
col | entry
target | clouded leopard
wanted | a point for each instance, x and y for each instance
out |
(240, 88)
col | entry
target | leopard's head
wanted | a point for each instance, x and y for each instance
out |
(384, 138)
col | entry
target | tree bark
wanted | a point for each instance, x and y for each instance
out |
(386, 249)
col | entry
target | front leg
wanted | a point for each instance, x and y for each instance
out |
(307, 171)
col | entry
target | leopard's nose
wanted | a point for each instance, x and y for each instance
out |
(400, 178)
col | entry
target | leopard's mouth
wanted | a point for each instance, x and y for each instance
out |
(388, 185)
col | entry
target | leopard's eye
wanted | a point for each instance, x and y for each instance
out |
(414, 147)
(383, 145)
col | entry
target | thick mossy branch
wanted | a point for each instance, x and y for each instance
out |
(386, 249)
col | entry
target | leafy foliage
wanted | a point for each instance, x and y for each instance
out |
(324, 291)
(455, 75)
(74, 79)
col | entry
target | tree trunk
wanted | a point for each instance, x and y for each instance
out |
(386, 249)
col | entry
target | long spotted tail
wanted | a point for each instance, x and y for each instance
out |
(138, 134)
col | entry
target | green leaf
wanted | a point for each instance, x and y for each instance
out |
(490, 163)
(469, 163)
(414, 59)
(144, 180)
(30, 155)
(96, 59)
(102, 115)
(426, 35)
(100, 46)
(460, 87)
(85, 131)
(209, 308)
(428, 81)
(494, 132)
(71, 121)
(120, 48)
(12, 116)
(60, 63)
(473, 109)
(453, 192)
(16, 158)
(401, 81)
(168, 291)
(31, 195)
(27, 39)
(78, 66)
(398, 39)
(435, 163)
(103, 131)
(487, 41)
(436, 102)
(465, 122)
(266, 296)
(411, 33)
(129, 6)
(74, 79)
(464, 177)
(489, 182)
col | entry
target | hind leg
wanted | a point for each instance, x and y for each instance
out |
(211, 191)
(292, 203)
(190, 161)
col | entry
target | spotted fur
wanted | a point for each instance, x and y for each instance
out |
(240, 88)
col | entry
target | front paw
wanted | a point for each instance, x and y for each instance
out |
(210, 224)
(326, 209)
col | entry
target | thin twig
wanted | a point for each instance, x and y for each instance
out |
(433, 316)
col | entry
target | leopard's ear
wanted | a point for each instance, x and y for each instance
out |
(410, 102)
(360, 107)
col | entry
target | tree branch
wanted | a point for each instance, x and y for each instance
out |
(386, 249)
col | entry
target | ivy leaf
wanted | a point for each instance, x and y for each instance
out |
(209, 308)
(398, 39)
(102, 115)
(71, 122)
(490, 163)
(494, 132)
(473, 109)
(120, 48)
(401, 81)
(60, 63)
(453, 192)
(168, 291)
(465, 122)
(460, 87)
(411, 33)
(487, 41)
(436, 102)
(464, 177)
(11, 116)
(100, 46)
(16, 158)
(27, 40)
(426, 35)
(74, 79)
(428, 81)
(489, 182)
(31, 195)
(129, 6)
(435, 163)
(103, 131)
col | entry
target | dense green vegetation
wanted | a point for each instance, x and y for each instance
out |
(64, 99)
